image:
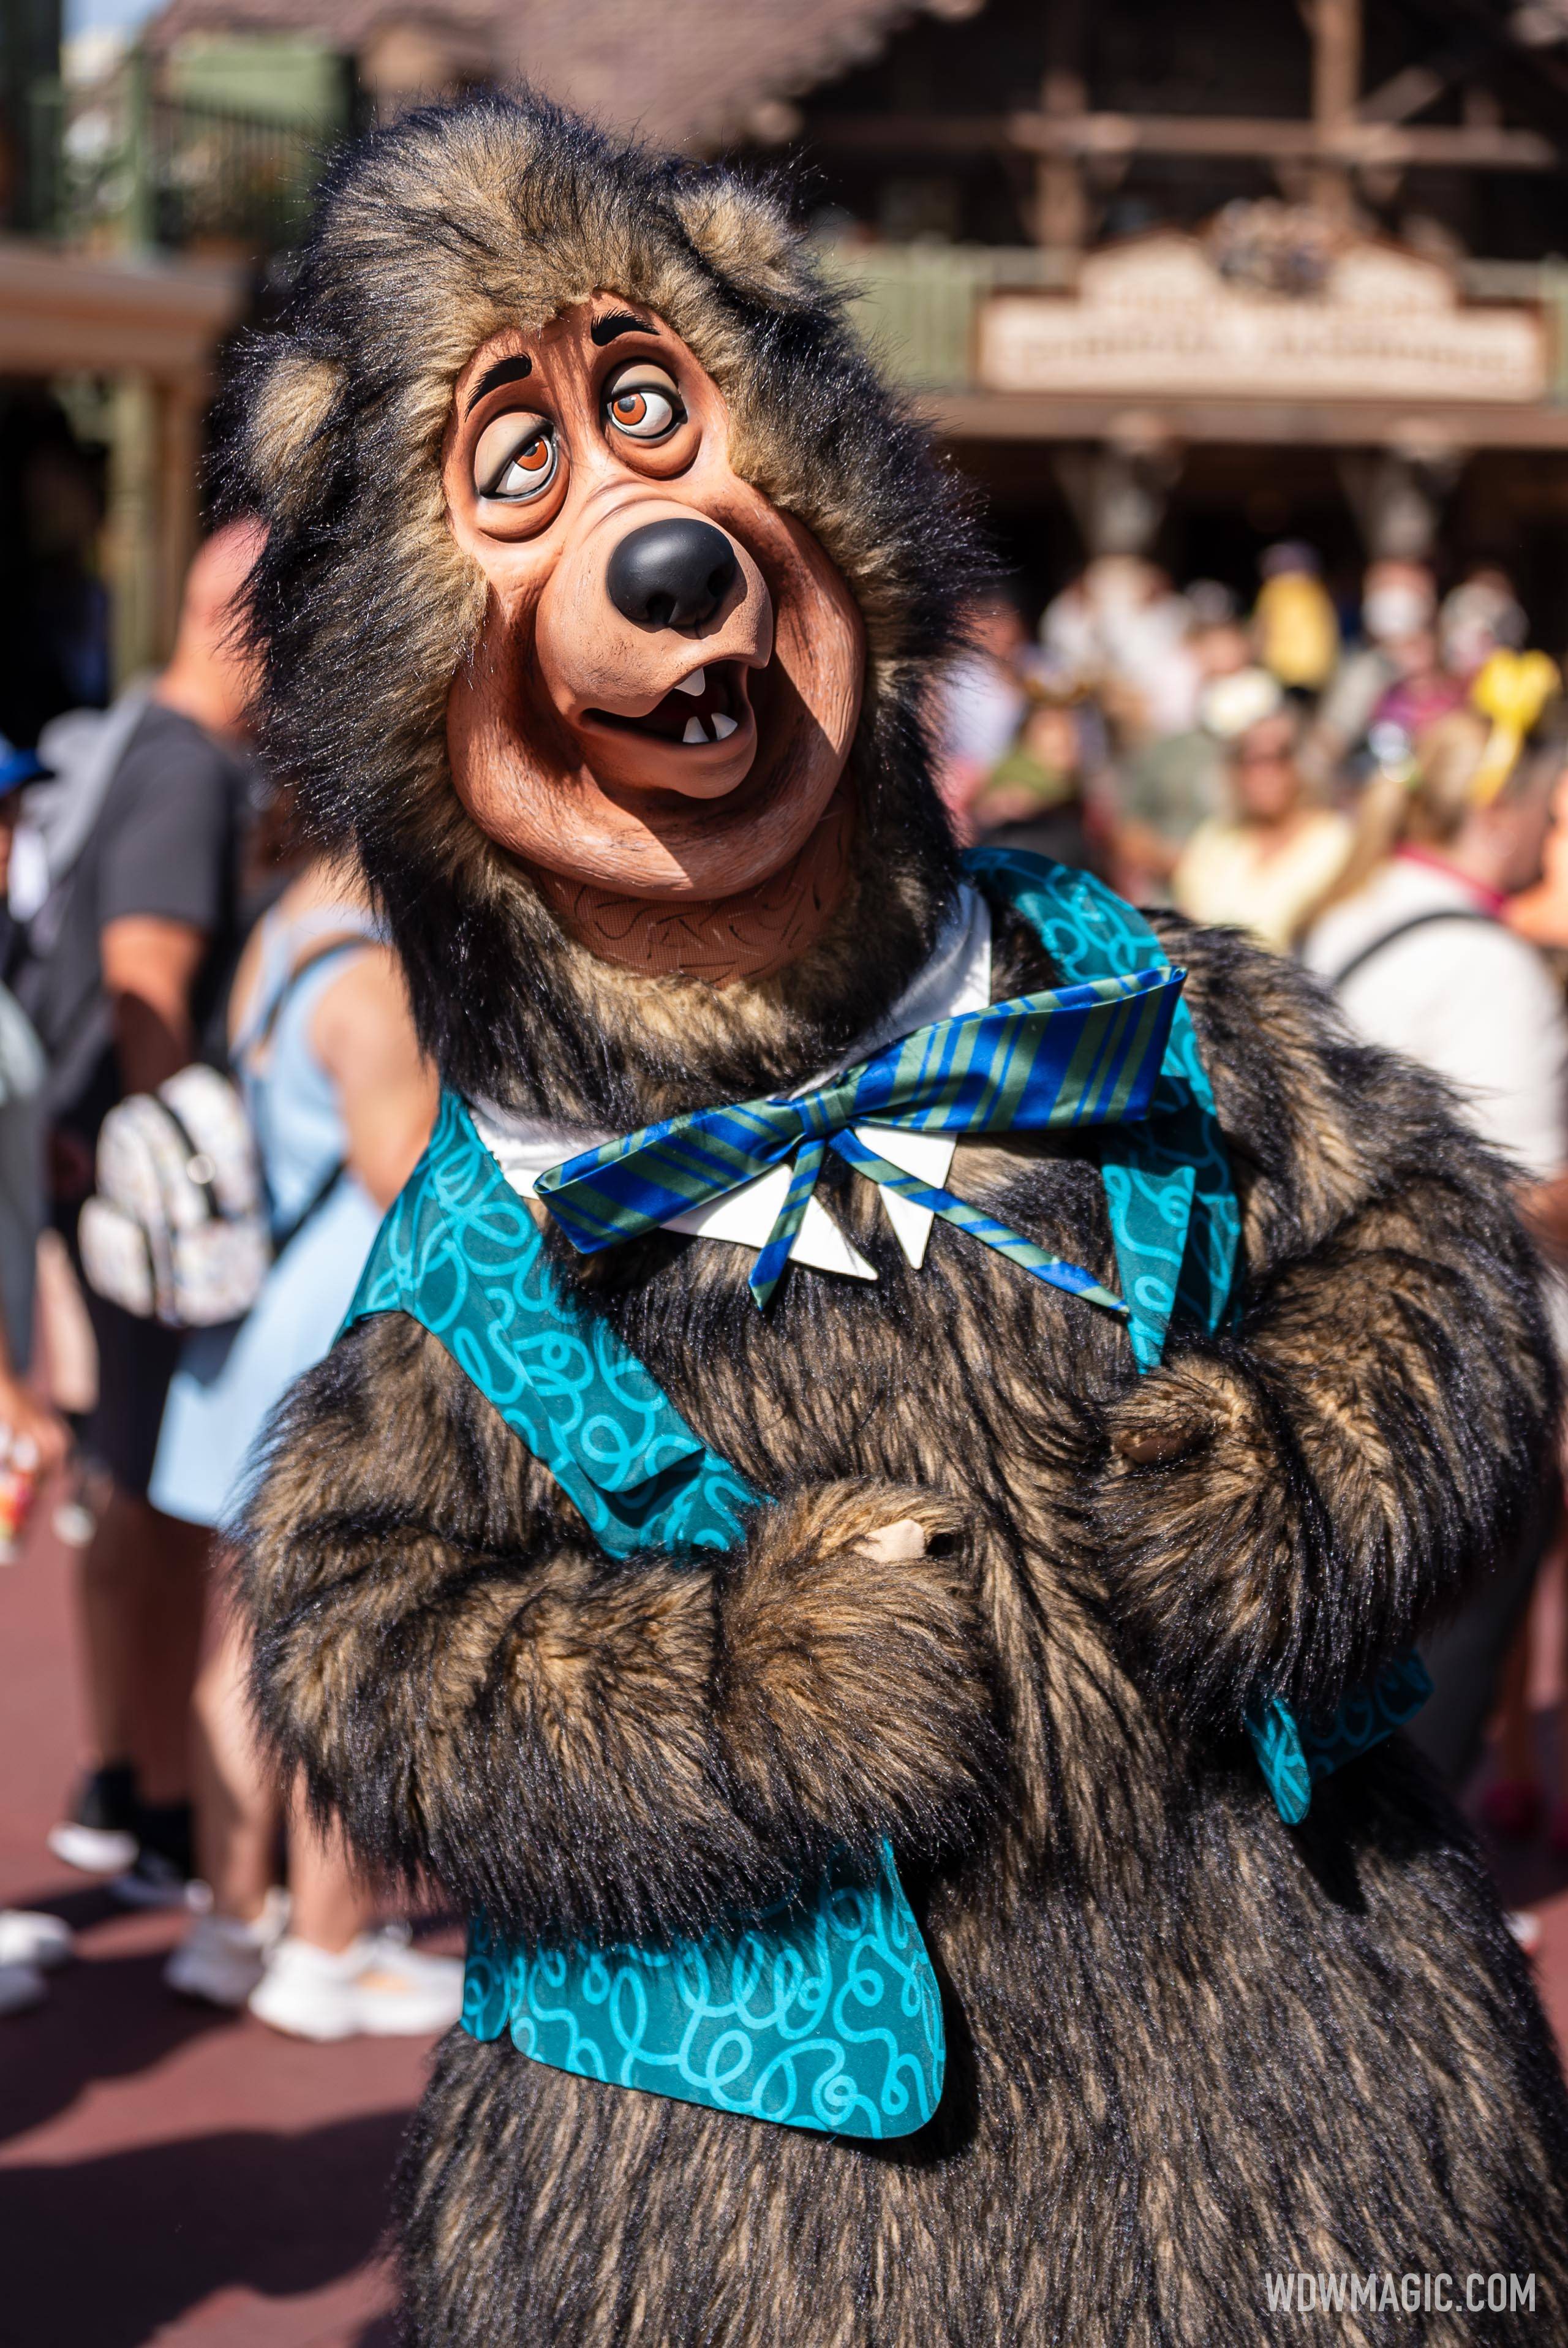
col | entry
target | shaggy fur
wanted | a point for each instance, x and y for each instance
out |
(1187, 2046)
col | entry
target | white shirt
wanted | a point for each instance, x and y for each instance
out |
(954, 980)
(1469, 999)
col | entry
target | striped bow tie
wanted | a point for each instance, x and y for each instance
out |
(1086, 1055)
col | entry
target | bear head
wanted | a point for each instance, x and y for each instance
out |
(603, 585)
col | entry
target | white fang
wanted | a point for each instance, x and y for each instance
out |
(694, 731)
(723, 726)
(695, 684)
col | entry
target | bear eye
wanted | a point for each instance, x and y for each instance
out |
(644, 403)
(516, 459)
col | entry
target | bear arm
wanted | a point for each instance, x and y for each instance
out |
(1281, 1512)
(582, 1748)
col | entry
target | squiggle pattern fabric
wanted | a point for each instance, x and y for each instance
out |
(460, 1252)
(1293, 1757)
(822, 2013)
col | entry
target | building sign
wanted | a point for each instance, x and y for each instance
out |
(1155, 318)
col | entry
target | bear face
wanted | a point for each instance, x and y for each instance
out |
(668, 676)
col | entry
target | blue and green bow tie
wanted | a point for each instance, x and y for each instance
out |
(1085, 1054)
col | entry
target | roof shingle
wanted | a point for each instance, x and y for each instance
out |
(687, 73)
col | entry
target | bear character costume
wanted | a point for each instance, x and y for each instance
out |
(563, 446)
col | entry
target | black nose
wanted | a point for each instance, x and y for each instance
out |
(671, 574)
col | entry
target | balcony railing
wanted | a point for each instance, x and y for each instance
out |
(216, 176)
(918, 304)
(132, 166)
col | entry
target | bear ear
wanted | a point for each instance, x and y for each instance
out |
(290, 410)
(748, 238)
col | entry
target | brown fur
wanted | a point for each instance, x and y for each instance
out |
(1187, 2044)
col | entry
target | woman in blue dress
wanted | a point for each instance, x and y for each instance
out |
(341, 1103)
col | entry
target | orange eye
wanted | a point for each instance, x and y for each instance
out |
(516, 459)
(644, 403)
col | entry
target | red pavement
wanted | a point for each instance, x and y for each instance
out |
(170, 2174)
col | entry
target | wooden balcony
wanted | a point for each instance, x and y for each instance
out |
(919, 307)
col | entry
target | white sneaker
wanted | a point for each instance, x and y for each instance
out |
(222, 1960)
(21, 1986)
(377, 1988)
(74, 1524)
(93, 1850)
(41, 1942)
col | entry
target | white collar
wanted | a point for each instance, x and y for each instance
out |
(955, 979)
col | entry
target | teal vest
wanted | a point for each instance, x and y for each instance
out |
(823, 2013)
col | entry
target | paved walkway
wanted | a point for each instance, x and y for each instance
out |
(175, 2176)
(168, 2173)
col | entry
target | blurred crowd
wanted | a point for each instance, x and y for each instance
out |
(1218, 757)
(210, 1090)
(1380, 791)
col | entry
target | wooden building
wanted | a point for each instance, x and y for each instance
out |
(1180, 283)
(144, 330)
(1184, 281)
(1190, 283)
(108, 352)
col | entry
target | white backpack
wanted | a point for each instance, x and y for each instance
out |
(178, 1230)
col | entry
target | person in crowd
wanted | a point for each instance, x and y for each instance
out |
(341, 1103)
(1411, 934)
(1167, 786)
(1480, 616)
(1121, 630)
(1399, 614)
(32, 1438)
(129, 949)
(983, 702)
(1421, 692)
(1541, 911)
(1209, 605)
(1521, 1798)
(1296, 629)
(31, 1946)
(54, 607)
(25, 1420)
(1261, 866)
(1413, 939)
(1035, 798)
(17, 766)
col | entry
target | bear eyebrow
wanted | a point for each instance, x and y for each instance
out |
(618, 322)
(504, 371)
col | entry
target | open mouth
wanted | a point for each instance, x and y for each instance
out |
(708, 706)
